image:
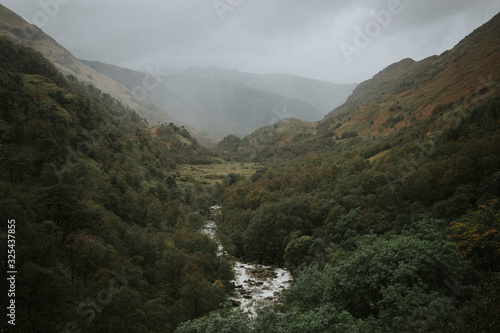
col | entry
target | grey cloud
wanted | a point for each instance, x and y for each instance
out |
(262, 36)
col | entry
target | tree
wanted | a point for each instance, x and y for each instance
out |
(477, 235)
(233, 178)
(227, 320)
(89, 254)
(297, 251)
(403, 278)
(60, 204)
(324, 319)
(347, 228)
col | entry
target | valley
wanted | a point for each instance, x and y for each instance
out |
(255, 286)
(217, 172)
(377, 211)
(222, 102)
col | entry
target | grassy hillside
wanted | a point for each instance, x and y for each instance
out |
(435, 93)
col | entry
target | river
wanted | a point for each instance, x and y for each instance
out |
(255, 285)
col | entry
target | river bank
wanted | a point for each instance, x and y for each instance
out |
(254, 285)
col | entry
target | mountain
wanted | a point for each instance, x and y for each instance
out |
(222, 102)
(462, 76)
(324, 96)
(14, 28)
(387, 211)
(99, 207)
(266, 142)
(439, 91)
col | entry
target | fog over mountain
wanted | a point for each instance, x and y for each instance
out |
(304, 38)
(194, 60)
(381, 214)
(222, 102)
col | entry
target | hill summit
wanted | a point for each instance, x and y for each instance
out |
(400, 98)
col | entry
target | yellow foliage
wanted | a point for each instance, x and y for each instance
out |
(477, 230)
(218, 284)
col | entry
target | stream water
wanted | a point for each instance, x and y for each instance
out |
(254, 284)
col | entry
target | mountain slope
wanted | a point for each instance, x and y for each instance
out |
(15, 28)
(225, 102)
(267, 141)
(324, 96)
(389, 213)
(98, 210)
(434, 94)
(178, 106)
(410, 89)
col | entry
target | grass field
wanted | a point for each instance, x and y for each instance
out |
(211, 174)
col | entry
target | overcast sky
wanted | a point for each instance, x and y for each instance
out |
(333, 40)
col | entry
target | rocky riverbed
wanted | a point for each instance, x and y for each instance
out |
(259, 284)
(254, 284)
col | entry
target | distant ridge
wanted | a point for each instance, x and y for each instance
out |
(398, 98)
(222, 102)
(16, 29)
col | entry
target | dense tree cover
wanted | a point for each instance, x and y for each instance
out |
(107, 239)
(477, 235)
(325, 319)
(408, 282)
(411, 282)
(398, 242)
(342, 195)
(392, 233)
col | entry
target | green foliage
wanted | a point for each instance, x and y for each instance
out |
(324, 319)
(223, 321)
(297, 251)
(348, 135)
(233, 178)
(103, 227)
(481, 313)
(401, 282)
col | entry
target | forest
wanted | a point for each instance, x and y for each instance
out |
(407, 242)
(107, 231)
(394, 232)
